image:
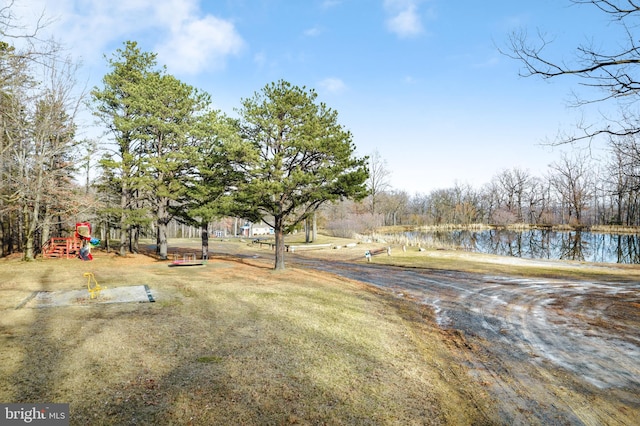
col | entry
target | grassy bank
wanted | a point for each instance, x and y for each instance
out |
(453, 260)
(229, 342)
(604, 229)
(463, 261)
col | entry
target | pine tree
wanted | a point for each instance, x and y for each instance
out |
(301, 158)
(116, 104)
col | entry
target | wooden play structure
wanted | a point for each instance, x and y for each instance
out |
(61, 248)
(77, 246)
(188, 259)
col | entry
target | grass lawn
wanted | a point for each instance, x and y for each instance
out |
(458, 260)
(454, 260)
(231, 342)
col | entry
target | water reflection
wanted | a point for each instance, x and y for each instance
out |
(540, 244)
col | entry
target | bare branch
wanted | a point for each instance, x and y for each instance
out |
(10, 29)
(619, 10)
(615, 74)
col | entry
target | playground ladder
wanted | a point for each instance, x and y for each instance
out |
(61, 248)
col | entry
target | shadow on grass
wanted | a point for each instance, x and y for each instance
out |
(261, 350)
(256, 366)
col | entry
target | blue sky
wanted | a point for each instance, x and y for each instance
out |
(419, 81)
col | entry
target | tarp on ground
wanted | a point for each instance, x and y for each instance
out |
(45, 299)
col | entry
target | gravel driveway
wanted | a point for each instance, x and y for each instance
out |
(549, 351)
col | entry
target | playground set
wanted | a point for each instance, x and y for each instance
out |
(93, 294)
(188, 259)
(78, 246)
(96, 289)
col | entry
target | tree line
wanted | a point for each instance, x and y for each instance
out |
(575, 191)
(167, 154)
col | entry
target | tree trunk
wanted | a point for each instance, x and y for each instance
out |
(123, 223)
(314, 234)
(9, 233)
(31, 219)
(307, 230)
(46, 226)
(162, 240)
(163, 228)
(30, 224)
(135, 240)
(17, 231)
(205, 241)
(158, 238)
(2, 239)
(279, 233)
(105, 234)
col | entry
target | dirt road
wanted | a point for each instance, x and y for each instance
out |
(548, 351)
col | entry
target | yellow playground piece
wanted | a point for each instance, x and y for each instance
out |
(95, 291)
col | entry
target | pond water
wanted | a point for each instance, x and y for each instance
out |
(539, 244)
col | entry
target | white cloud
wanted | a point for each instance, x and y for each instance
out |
(313, 32)
(185, 39)
(199, 44)
(333, 85)
(404, 18)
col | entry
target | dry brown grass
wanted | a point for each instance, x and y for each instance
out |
(615, 229)
(229, 343)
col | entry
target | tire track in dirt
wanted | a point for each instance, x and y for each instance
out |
(549, 351)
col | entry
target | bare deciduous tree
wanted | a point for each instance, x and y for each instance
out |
(613, 72)
(393, 204)
(572, 179)
(43, 149)
(378, 181)
(622, 182)
(513, 185)
(38, 105)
